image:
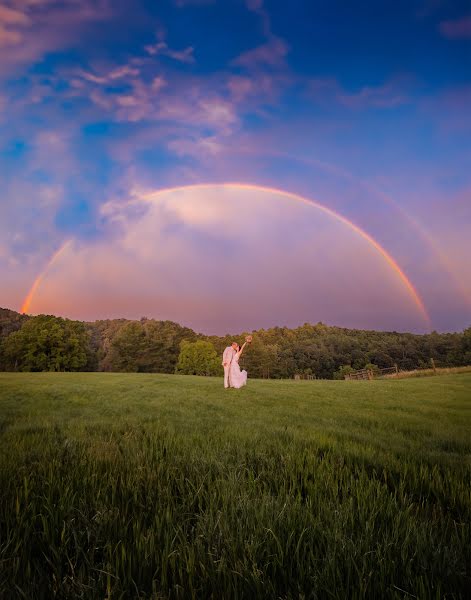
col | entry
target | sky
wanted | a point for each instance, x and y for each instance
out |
(237, 164)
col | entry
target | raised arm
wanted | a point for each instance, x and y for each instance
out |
(242, 349)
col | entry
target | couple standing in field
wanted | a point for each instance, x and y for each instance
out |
(233, 376)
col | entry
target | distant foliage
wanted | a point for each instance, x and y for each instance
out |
(10, 321)
(344, 370)
(150, 346)
(198, 358)
(145, 346)
(47, 343)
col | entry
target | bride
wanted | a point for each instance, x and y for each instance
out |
(237, 377)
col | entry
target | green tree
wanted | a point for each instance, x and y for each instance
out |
(344, 370)
(198, 358)
(127, 348)
(145, 346)
(47, 343)
(162, 347)
(465, 349)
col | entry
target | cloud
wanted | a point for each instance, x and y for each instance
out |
(29, 29)
(457, 28)
(161, 48)
(196, 112)
(199, 148)
(219, 259)
(12, 22)
(117, 73)
(387, 95)
(271, 54)
(391, 94)
(141, 90)
(257, 6)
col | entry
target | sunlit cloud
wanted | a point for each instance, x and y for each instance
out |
(30, 29)
(223, 258)
(12, 22)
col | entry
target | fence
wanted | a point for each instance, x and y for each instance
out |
(387, 372)
(372, 374)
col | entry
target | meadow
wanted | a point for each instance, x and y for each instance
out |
(165, 486)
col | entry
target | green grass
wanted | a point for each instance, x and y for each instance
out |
(155, 486)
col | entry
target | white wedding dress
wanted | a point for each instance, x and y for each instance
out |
(237, 378)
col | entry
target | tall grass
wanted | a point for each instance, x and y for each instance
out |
(128, 486)
(428, 372)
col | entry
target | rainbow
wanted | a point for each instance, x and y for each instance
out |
(37, 282)
(441, 257)
(154, 196)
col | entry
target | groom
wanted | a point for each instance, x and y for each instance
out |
(227, 357)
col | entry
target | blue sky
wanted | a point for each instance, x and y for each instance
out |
(363, 107)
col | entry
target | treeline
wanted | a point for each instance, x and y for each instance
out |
(48, 343)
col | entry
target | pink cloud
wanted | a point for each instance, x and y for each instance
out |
(186, 101)
(170, 258)
(457, 28)
(240, 87)
(11, 23)
(29, 29)
(271, 54)
(118, 73)
(161, 48)
(198, 148)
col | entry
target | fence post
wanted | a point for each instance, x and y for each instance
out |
(397, 370)
(433, 365)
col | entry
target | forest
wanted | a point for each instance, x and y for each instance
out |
(50, 343)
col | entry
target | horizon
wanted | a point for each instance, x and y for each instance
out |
(237, 164)
(243, 332)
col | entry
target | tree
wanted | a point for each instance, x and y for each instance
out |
(344, 370)
(145, 346)
(47, 343)
(198, 358)
(162, 347)
(154, 346)
(127, 348)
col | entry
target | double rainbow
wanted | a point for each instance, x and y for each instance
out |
(154, 197)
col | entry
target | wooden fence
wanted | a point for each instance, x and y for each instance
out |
(299, 376)
(372, 373)
(386, 373)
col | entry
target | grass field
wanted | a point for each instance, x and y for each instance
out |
(155, 486)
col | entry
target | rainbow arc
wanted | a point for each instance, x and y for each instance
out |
(154, 196)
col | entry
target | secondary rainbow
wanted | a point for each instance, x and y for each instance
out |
(154, 196)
